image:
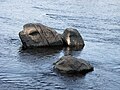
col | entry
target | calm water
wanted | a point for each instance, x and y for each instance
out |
(98, 21)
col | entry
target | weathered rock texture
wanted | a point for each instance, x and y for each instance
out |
(37, 35)
(72, 37)
(69, 64)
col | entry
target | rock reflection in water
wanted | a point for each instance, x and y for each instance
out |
(74, 51)
(39, 63)
(42, 51)
(37, 54)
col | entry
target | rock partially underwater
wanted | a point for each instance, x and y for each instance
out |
(39, 35)
(73, 38)
(69, 64)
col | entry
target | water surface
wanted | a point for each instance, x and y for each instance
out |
(98, 21)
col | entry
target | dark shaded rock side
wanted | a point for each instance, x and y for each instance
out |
(69, 64)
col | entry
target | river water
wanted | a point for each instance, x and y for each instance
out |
(98, 21)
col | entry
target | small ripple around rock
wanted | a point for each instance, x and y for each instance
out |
(59, 87)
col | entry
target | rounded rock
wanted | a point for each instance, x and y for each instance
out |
(38, 35)
(73, 38)
(69, 64)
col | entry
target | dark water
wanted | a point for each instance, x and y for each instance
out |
(98, 21)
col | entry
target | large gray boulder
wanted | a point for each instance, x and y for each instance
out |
(73, 38)
(38, 35)
(69, 64)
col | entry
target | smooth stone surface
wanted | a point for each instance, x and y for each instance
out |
(69, 64)
(73, 38)
(38, 35)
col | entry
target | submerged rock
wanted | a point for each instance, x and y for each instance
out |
(69, 64)
(37, 35)
(73, 38)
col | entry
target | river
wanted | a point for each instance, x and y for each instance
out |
(98, 21)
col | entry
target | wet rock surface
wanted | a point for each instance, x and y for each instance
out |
(39, 35)
(69, 64)
(73, 38)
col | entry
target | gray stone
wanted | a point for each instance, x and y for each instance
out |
(38, 35)
(69, 64)
(73, 38)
